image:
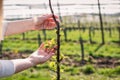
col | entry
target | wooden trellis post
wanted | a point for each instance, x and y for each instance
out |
(1, 14)
(90, 35)
(119, 33)
(1, 18)
(101, 23)
(59, 11)
(83, 28)
(65, 34)
(1, 45)
(119, 30)
(82, 50)
(79, 25)
(110, 32)
(93, 31)
(23, 36)
(39, 39)
(44, 33)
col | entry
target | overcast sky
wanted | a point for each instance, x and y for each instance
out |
(113, 6)
(62, 1)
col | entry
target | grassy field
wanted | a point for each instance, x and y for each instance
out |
(71, 49)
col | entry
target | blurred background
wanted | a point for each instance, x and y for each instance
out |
(90, 39)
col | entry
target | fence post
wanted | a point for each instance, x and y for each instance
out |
(119, 34)
(79, 25)
(82, 50)
(65, 34)
(101, 23)
(1, 45)
(93, 31)
(44, 33)
(39, 39)
(84, 28)
(110, 32)
(90, 36)
(23, 36)
(58, 5)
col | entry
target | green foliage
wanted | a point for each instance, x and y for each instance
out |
(106, 72)
(89, 69)
(117, 70)
(50, 44)
(71, 49)
(110, 72)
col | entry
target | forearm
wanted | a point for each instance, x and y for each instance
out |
(22, 64)
(19, 26)
(10, 67)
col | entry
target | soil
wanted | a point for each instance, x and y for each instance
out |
(101, 62)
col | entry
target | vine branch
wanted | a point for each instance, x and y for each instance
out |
(58, 41)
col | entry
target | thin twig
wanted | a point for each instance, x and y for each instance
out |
(58, 41)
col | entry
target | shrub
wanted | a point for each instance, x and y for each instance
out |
(88, 69)
(106, 71)
(117, 70)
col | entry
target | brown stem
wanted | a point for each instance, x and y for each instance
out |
(58, 41)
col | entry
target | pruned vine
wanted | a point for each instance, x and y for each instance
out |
(58, 41)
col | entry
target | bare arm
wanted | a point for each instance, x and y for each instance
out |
(9, 67)
(22, 64)
(19, 26)
(37, 23)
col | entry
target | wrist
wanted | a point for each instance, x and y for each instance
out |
(35, 23)
(22, 64)
(31, 60)
(32, 24)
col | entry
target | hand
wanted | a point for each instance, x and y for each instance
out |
(45, 22)
(42, 55)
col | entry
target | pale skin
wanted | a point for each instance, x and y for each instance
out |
(40, 55)
(34, 59)
(37, 23)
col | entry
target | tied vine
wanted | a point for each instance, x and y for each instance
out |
(58, 41)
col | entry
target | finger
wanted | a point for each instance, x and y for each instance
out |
(47, 50)
(46, 23)
(51, 15)
(50, 25)
(52, 20)
(42, 26)
(41, 46)
(53, 50)
(48, 16)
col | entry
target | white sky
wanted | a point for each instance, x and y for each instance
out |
(109, 9)
(61, 1)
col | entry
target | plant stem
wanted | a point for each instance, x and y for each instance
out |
(58, 41)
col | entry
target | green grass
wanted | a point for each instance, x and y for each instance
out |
(42, 72)
(27, 75)
(72, 48)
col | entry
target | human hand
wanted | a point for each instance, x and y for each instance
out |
(44, 22)
(42, 54)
